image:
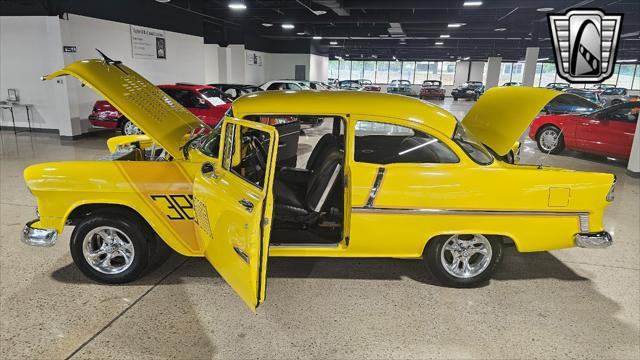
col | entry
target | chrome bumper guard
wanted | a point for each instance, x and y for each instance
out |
(594, 240)
(38, 237)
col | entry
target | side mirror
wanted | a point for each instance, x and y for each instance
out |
(208, 170)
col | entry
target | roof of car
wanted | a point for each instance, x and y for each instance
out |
(184, 86)
(310, 102)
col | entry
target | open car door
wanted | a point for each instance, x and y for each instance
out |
(233, 204)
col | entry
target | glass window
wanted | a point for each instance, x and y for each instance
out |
(548, 74)
(408, 70)
(505, 73)
(517, 71)
(435, 70)
(356, 70)
(334, 65)
(448, 72)
(382, 72)
(369, 71)
(345, 70)
(381, 143)
(474, 148)
(422, 67)
(246, 158)
(536, 78)
(625, 77)
(636, 79)
(484, 72)
(187, 98)
(394, 70)
(614, 78)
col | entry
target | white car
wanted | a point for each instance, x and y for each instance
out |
(285, 85)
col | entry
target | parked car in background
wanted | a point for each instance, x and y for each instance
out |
(613, 96)
(590, 95)
(512, 83)
(402, 87)
(606, 132)
(349, 85)
(368, 85)
(557, 86)
(571, 105)
(431, 89)
(234, 91)
(469, 90)
(206, 102)
(600, 87)
(284, 85)
(332, 82)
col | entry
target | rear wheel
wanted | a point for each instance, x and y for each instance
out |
(550, 140)
(463, 260)
(616, 102)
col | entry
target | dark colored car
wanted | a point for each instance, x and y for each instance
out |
(208, 103)
(557, 86)
(402, 87)
(590, 95)
(349, 84)
(469, 90)
(571, 105)
(432, 89)
(234, 91)
(512, 83)
(608, 132)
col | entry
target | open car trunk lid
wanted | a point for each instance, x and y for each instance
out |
(156, 113)
(502, 114)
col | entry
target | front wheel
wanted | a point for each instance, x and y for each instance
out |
(550, 140)
(455, 98)
(110, 248)
(463, 260)
(129, 128)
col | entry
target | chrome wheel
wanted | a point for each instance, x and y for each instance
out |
(549, 139)
(108, 250)
(466, 256)
(131, 129)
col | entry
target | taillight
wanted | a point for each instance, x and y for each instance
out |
(610, 194)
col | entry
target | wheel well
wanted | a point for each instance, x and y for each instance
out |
(83, 211)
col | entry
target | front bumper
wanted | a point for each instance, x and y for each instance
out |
(38, 237)
(594, 240)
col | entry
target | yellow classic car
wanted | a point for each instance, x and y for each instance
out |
(392, 177)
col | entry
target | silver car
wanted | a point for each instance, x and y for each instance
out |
(613, 96)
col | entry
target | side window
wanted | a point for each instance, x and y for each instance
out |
(293, 87)
(382, 143)
(245, 153)
(275, 86)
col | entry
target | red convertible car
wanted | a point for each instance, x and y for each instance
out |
(208, 103)
(606, 132)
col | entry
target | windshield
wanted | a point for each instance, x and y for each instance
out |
(214, 96)
(476, 151)
(210, 144)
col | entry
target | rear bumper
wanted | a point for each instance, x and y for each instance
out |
(103, 123)
(38, 237)
(594, 240)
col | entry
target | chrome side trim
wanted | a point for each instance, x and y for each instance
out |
(325, 193)
(584, 223)
(242, 254)
(374, 188)
(463, 212)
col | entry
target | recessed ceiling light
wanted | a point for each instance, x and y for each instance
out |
(163, 1)
(456, 25)
(439, 43)
(543, 59)
(628, 60)
(317, 37)
(287, 26)
(333, 43)
(500, 29)
(545, 9)
(301, 33)
(346, 55)
(445, 36)
(237, 5)
(267, 25)
(472, 3)
(466, 58)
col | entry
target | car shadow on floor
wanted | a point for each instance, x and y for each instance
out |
(515, 266)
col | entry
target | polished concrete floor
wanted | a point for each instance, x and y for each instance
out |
(574, 303)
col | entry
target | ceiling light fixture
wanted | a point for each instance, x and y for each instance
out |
(317, 37)
(301, 33)
(267, 24)
(466, 58)
(472, 3)
(545, 9)
(333, 43)
(346, 55)
(500, 29)
(163, 1)
(237, 5)
(456, 25)
(628, 60)
(287, 26)
(439, 43)
(445, 36)
(543, 59)
(315, 12)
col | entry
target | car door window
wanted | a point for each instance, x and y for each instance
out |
(276, 86)
(383, 143)
(626, 113)
(293, 87)
(245, 153)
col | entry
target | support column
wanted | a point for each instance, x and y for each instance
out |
(493, 71)
(633, 168)
(530, 61)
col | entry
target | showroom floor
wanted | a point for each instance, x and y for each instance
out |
(574, 303)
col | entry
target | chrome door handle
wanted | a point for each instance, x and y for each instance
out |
(248, 205)
(208, 169)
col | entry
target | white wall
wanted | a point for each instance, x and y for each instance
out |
(29, 48)
(236, 60)
(462, 73)
(256, 74)
(477, 68)
(318, 68)
(283, 66)
(211, 65)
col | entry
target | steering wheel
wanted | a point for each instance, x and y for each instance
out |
(259, 151)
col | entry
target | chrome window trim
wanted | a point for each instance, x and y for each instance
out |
(375, 188)
(305, 245)
(418, 211)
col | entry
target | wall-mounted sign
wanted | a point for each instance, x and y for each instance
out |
(254, 58)
(147, 43)
(69, 49)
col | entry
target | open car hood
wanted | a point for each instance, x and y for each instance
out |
(502, 114)
(160, 117)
